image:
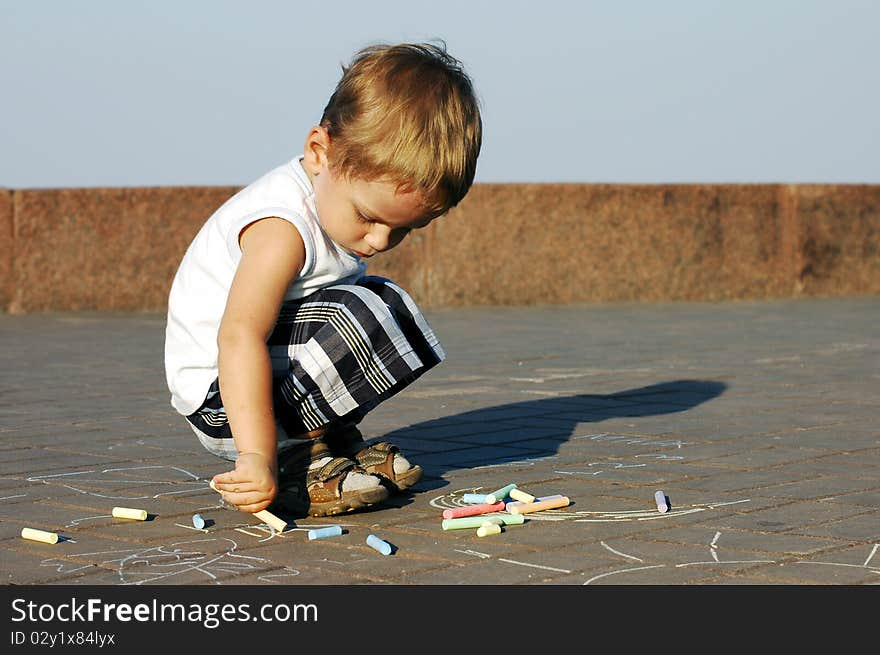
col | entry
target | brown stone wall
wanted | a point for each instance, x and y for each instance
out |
(117, 249)
(839, 239)
(584, 243)
(108, 249)
(7, 248)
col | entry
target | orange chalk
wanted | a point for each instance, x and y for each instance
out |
(473, 510)
(551, 503)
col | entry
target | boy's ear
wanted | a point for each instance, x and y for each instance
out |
(315, 150)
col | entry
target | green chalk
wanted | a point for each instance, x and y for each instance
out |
(499, 494)
(477, 521)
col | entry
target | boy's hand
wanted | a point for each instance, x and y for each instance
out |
(252, 486)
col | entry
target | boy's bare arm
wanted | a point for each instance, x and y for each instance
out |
(272, 256)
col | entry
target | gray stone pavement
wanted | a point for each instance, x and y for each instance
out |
(759, 420)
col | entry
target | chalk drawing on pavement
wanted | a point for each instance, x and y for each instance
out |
(162, 564)
(123, 484)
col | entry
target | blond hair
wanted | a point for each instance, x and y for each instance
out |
(407, 114)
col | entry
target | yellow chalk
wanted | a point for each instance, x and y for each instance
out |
(550, 503)
(522, 496)
(487, 529)
(130, 513)
(39, 535)
(265, 516)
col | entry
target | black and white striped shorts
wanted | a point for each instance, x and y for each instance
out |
(336, 354)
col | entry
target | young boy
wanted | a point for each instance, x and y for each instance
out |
(277, 343)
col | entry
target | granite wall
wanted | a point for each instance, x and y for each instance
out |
(506, 244)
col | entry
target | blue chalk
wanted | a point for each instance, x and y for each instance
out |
(474, 499)
(321, 533)
(377, 544)
(198, 521)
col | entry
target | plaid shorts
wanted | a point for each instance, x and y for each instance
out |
(336, 354)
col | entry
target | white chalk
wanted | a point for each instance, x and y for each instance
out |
(660, 499)
(198, 521)
(129, 513)
(39, 535)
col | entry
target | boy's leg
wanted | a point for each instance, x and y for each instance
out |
(347, 349)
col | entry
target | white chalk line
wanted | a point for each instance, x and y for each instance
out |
(16, 496)
(617, 552)
(247, 533)
(49, 478)
(518, 462)
(475, 553)
(76, 522)
(288, 573)
(728, 561)
(638, 568)
(536, 566)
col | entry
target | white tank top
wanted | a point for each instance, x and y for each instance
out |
(201, 285)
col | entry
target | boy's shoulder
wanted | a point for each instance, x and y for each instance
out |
(285, 187)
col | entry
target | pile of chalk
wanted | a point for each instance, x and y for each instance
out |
(502, 507)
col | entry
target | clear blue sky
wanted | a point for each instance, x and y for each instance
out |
(181, 92)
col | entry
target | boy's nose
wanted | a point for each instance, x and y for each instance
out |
(378, 238)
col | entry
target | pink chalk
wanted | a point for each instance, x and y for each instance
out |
(473, 510)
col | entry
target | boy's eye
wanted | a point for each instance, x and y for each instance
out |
(361, 218)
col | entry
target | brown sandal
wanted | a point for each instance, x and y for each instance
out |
(376, 458)
(318, 491)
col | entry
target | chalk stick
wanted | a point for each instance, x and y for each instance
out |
(477, 521)
(472, 510)
(516, 503)
(474, 499)
(270, 519)
(520, 495)
(39, 535)
(129, 513)
(660, 499)
(377, 544)
(198, 521)
(264, 515)
(489, 528)
(499, 494)
(323, 533)
(540, 505)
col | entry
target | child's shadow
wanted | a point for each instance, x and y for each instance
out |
(532, 429)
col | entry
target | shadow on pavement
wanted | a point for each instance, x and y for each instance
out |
(483, 437)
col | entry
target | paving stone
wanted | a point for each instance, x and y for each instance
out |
(794, 516)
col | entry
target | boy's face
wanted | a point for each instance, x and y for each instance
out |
(363, 217)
